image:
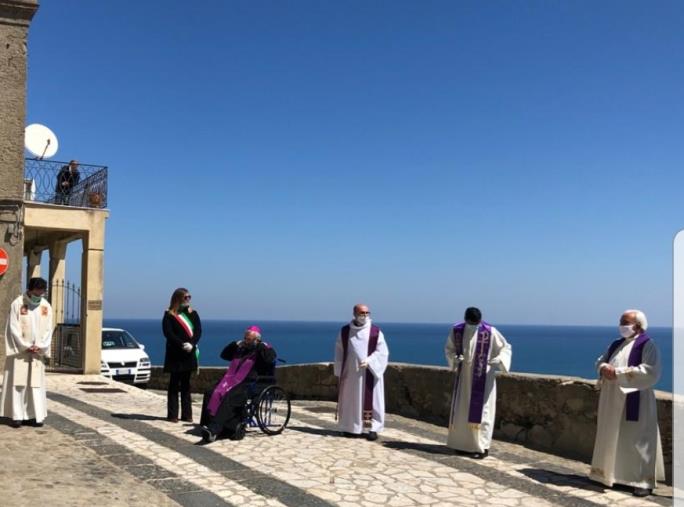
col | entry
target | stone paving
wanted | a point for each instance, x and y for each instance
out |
(127, 454)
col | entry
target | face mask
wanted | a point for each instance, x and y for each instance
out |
(361, 319)
(36, 299)
(183, 306)
(472, 327)
(626, 331)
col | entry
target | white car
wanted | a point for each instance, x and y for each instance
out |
(123, 358)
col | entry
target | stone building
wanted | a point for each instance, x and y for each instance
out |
(35, 218)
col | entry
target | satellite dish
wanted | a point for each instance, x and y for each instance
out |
(40, 141)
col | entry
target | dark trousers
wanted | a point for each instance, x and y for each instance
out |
(179, 383)
(230, 412)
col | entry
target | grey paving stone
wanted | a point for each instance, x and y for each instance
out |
(198, 499)
(174, 485)
(139, 467)
(259, 483)
(148, 471)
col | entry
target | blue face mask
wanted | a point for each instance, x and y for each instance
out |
(36, 299)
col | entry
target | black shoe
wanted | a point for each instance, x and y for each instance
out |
(372, 436)
(29, 422)
(240, 432)
(480, 455)
(172, 419)
(37, 424)
(15, 424)
(207, 435)
(642, 492)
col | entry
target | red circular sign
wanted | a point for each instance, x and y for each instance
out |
(4, 261)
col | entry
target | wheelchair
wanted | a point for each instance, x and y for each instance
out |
(268, 407)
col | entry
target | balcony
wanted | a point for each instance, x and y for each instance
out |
(50, 182)
(62, 205)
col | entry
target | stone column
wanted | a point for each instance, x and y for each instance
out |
(33, 260)
(15, 17)
(56, 281)
(92, 277)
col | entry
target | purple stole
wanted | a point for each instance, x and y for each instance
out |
(635, 359)
(237, 372)
(480, 362)
(369, 383)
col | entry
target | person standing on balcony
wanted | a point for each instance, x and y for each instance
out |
(627, 448)
(474, 350)
(361, 357)
(67, 178)
(27, 341)
(182, 328)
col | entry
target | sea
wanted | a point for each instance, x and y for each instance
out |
(555, 350)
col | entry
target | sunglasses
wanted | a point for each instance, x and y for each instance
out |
(187, 297)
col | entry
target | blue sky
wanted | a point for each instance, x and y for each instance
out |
(284, 160)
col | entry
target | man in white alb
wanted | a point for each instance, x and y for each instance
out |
(27, 342)
(474, 350)
(361, 357)
(627, 448)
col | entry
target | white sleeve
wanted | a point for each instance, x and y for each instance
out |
(501, 350)
(14, 328)
(377, 361)
(601, 362)
(339, 355)
(643, 376)
(46, 339)
(450, 351)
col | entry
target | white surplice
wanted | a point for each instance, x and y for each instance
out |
(628, 452)
(23, 391)
(464, 436)
(353, 378)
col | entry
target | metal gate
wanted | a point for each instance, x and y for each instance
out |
(67, 342)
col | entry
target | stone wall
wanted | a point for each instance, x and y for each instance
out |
(549, 413)
(15, 16)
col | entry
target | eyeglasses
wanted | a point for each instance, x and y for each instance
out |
(187, 297)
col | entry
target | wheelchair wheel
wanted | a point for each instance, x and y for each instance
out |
(273, 410)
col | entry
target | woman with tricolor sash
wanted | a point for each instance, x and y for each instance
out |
(182, 328)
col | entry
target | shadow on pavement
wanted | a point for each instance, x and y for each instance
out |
(315, 431)
(429, 448)
(559, 479)
(139, 417)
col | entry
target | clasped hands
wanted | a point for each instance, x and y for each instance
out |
(33, 349)
(608, 372)
(187, 346)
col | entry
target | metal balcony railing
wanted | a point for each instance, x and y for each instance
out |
(53, 182)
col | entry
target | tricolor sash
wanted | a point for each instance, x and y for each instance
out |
(185, 323)
(237, 372)
(369, 382)
(480, 362)
(635, 359)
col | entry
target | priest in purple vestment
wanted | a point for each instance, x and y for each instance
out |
(475, 351)
(627, 449)
(361, 356)
(223, 406)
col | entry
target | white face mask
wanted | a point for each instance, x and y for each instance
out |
(472, 327)
(361, 319)
(626, 331)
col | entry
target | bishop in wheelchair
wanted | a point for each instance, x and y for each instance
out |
(246, 394)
